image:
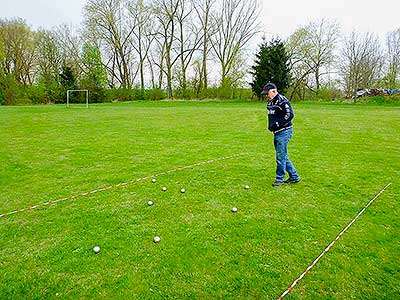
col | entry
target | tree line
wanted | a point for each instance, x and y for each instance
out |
(317, 61)
(136, 49)
(161, 45)
(321, 58)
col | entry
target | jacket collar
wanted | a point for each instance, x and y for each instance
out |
(275, 99)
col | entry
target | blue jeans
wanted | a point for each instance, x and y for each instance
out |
(283, 163)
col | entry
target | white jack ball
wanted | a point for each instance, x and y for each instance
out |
(164, 189)
(183, 190)
(153, 180)
(150, 203)
(246, 187)
(156, 239)
(96, 249)
(234, 209)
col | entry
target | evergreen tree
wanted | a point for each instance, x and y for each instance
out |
(67, 78)
(271, 65)
(67, 81)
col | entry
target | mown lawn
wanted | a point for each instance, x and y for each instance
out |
(345, 154)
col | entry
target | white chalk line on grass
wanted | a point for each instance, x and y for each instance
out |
(120, 184)
(331, 244)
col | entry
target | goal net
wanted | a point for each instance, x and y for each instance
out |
(78, 98)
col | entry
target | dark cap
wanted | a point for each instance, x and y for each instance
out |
(267, 87)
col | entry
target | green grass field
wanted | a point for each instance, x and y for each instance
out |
(345, 154)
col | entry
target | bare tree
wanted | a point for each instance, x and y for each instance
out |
(188, 40)
(236, 23)
(49, 56)
(19, 46)
(203, 10)
(70, 43)
(143, 34)
(166, 13)
(107, 20)
(311, 51)
(299, 69)
(361, 62)
(393, 48)
(156, 64)
(320, 42)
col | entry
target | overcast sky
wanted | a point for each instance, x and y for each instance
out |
(283, 17)
(279, 17)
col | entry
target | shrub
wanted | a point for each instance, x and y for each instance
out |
(187, 93)
(154, 94)
(8, 88)
(119, 95)
(1, 97)
(381, 99)
(36, 94)
(328, 94)
(243, 94)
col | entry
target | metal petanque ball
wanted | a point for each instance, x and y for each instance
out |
(156, 239)
(96, 249)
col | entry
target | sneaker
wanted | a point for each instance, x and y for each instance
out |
(278, 183)
(292, 180)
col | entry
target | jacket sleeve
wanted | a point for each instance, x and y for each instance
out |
(287, 113)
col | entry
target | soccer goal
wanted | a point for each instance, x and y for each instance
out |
(78, 98)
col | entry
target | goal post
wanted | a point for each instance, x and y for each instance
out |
(86, 92)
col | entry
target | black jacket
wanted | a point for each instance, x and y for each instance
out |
(280, 114)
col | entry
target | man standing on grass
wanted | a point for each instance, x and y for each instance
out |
(280, 115)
